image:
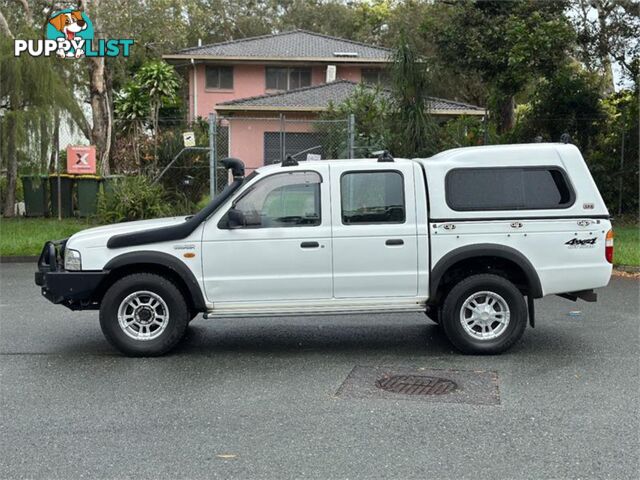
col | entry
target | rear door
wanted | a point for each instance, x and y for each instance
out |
(374, 230)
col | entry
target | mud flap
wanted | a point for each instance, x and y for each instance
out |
(532, 313)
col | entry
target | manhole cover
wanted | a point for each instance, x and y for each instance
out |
(416, 385)
(421, 384)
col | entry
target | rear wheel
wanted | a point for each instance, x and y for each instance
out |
(484, 314)
(143, 315)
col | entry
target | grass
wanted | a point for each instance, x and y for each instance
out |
(626, 244)
(26, 236)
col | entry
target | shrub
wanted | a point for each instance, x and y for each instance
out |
(204, 201)
(133, 198)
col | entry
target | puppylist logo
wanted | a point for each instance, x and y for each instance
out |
(69, 34)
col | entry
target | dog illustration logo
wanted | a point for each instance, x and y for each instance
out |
(74, 27)
(69, 34)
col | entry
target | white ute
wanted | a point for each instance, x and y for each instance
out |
(470, 237)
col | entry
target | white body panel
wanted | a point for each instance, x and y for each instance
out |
(561, 268)
(265, 271)
(566, 157)
(268, 264)
(92, 243)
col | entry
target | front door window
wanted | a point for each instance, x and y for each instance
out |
(283, 200)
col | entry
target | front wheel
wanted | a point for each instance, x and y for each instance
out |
(484, 314)
(143, 315)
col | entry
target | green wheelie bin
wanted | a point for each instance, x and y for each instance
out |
(88, 189)
(36, 200)
(66, 194)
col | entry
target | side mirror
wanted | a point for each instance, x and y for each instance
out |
(235, 218)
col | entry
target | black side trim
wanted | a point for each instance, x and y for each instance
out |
(489, 219)
(485, 250)
(165, 260)
(182, 230)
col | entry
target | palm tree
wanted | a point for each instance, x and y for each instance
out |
(414, 131)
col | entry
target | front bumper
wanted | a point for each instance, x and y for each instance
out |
(75, 290)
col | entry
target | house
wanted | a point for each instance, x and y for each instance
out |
(266, 85)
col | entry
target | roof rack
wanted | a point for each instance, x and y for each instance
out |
(384, 156)
(289, 162)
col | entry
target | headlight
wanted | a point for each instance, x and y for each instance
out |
(72, 260)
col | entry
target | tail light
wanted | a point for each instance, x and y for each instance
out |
(608, 246)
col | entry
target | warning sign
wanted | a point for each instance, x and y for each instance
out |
(189, 139)
(81, 159)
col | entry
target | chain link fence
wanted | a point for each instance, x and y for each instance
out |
(259, 141)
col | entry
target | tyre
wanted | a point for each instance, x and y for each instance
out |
(484, 314)
(143, 315)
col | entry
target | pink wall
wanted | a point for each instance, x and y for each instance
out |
(246, 137)
(249, 81)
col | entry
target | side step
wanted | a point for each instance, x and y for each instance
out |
(222, 312)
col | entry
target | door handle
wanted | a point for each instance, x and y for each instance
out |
(309, 245)
(394, 241)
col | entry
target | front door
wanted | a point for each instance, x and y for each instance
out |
(284, 251)
(375, 251)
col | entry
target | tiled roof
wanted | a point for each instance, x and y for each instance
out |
(289, 45)
(318, 97)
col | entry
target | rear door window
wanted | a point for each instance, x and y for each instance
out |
(372, 197)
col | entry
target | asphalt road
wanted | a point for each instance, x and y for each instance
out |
(255, 398)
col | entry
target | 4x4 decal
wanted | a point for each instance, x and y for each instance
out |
(576, 242)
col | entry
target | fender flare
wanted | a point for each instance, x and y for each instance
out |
(164, 260)
(485, 250)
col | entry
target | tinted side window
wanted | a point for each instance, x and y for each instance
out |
(283, 200)
(507, 189)
(546, 188)
(372, 197)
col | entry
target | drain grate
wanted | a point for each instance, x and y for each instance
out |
(416, 385)
(421, 384)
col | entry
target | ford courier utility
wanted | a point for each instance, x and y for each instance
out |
(470, 237)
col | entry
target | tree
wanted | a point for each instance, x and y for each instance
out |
(370, 108)
(566, 102)
(614, 158)
(160, 85)
(414, 133)
(33, 92)
(396, 119)
(608, 30)
(131, 110)
(506, 43)
(100, 91)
